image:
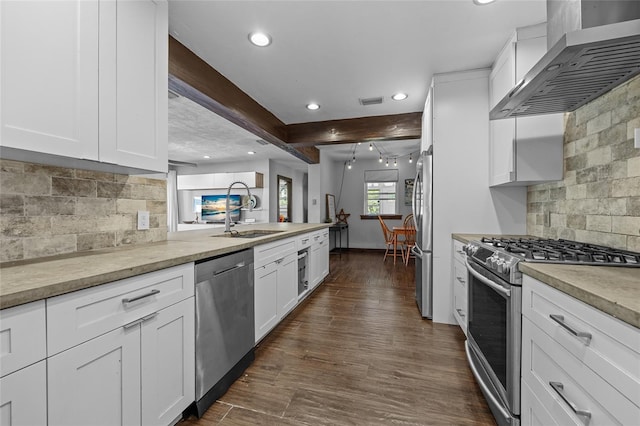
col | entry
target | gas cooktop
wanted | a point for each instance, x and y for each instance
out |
(563, 251)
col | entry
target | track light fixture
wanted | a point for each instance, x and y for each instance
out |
(370, 146)
(387, 163)
(410, 158)
(380, 159)
(395, 162)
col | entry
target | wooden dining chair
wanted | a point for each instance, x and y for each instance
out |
(389, 239)
(409, 237)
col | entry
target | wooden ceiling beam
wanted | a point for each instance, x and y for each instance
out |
(193, 78)
(363, 129)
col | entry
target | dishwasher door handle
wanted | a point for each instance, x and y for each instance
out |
(224, 271)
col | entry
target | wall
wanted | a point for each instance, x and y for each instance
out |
(48, 210)
(598, 201)
(366, 233)
(462, 199)
(297, 177)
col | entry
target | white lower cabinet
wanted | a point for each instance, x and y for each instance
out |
(319, 262)
(23, 396)
(459, 285)
(138, 367)
(97, 380)
(276, 292)
(579, 365)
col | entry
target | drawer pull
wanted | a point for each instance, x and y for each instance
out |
(460, 251)
(139, 321)
(461, 280)
(460, 312)
(142, 296)
(581, 334)
(559, 387)
(279, 261)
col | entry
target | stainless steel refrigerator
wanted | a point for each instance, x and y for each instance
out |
(422, 206)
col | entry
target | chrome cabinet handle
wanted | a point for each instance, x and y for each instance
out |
(238, 266)
(460, 251)
(460, 312)
(139, 321)
(460, 280)
(580, 334)
(559, 388)
(142, 296)
(279, 261)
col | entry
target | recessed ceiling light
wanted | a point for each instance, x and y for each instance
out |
(206, 156)
(399, 96)
(260, 39)
(313, 106)
(251, 152)
(483, 2)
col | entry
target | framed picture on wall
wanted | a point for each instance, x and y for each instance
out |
(331, 208)
(408, 191)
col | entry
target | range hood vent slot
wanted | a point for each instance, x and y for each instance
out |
(583, 65)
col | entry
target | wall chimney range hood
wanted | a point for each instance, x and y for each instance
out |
(595, 46)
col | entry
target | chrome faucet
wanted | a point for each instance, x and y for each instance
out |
(227, 209)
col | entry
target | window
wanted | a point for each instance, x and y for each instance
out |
(380, 192)
(381, 198)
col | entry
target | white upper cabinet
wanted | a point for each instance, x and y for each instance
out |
(133, 84)
(523, 150)
(49, 80)
(86, 80)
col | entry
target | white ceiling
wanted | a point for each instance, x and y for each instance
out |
(334, 52)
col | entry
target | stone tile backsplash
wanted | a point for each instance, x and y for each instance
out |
(598, 201)
(46, 210)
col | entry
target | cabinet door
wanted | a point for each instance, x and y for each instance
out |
(168, 363)
(324, 258)
(23, 397)
(133, 83)
(315, 267)
(97, 381)
(266, 299)
(460, 294)
(287, 285)
(49, 83)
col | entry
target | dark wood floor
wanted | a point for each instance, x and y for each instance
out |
(356, 352)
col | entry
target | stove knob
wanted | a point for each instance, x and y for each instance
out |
(507, 269)
(500, 266)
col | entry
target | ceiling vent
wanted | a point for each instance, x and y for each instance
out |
(370, 101)
(262, 142)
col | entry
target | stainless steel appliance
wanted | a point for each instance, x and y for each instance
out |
(593, 46)
(225, 333)
(422, 206)
(495, 302)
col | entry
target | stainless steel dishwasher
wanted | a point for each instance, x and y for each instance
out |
(225, 333)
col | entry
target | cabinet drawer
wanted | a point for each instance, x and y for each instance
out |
(544, 362)
(22, 336)
(267, 253)
(77, 317)
(460, 273)
(458, 253)
(613, 351)
(303, 241)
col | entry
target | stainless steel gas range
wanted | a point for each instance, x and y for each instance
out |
(495, 307)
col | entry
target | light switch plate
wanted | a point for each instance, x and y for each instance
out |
(143, 220)
(636, 142)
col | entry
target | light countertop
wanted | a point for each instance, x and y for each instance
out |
(27, 281)
(612, 289)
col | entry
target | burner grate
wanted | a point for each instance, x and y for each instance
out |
(564, 251)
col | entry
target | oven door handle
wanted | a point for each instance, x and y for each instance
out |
(488, 282)
(497, 404)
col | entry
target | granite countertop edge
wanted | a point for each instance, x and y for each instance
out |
(29, 281)
(612, 290)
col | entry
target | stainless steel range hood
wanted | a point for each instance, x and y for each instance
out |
(595, 47)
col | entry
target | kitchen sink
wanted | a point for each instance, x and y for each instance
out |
(255, 233)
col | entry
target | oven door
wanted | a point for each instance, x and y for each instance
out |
(494, 340)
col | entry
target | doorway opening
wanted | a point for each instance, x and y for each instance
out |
(284, 198)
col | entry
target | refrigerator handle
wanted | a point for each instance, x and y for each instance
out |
(413, 201)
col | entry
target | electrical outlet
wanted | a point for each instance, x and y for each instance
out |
(636, 142)
(143, 220)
